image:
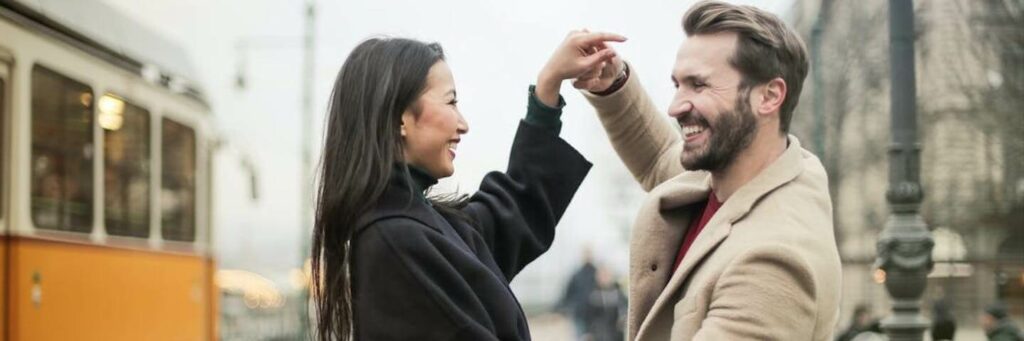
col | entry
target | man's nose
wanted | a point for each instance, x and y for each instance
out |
(679, 108)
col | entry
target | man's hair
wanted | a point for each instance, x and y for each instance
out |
(766, 47)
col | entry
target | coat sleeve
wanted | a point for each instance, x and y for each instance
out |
(410, 283)
(642, 136)
(765, 294)
(516, 211)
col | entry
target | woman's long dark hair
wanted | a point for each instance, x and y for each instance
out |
(381, 78)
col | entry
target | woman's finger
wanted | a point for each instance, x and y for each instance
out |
(594, 61)
(592, 39)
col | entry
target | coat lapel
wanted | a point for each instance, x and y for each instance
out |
(659, 230)
(713, 234)
(786, 168)
(655, 238)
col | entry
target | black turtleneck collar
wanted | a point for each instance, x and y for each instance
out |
(421, 180)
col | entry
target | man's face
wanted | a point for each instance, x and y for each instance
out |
(987, 321)
(713, 112)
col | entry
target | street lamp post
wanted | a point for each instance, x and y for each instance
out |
(306, 201)
(905, 245)
(306, 131)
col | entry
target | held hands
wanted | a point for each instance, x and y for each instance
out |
(585, 57)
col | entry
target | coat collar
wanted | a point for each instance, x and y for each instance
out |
(692, 187)
(403, 197)
(421, 180)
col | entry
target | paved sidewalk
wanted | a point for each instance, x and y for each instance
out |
(554, 327)
(550, 327)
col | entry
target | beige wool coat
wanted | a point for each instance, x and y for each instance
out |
(765, 267)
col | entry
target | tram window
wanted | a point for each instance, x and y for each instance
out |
(125, 166)
(62, 151)
(178, 188)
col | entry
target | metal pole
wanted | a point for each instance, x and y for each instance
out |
(905, 245)
(817, 74)
(306, 201)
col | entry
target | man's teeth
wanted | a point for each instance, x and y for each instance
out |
(692, 130)
(453, 146)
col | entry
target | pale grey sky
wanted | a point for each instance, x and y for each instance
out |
(495, 49)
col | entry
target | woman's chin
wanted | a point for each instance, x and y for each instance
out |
(446, 173)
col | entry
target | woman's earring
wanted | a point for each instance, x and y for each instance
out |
(403, 130)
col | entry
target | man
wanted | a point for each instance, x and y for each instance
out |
(861, 322)
(943, 321)
(576, 291)
(735, 240)
(997, 324)
(604, 309)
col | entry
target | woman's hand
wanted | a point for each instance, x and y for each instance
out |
(599, 80)
(583, 56)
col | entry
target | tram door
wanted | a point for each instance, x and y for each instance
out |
(5, 197)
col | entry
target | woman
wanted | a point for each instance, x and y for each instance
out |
(391, 264)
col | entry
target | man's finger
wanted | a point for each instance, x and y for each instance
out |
(594, 72)
(580, 84)
(585, 84)
(612, 67)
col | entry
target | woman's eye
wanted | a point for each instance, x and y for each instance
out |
(453, 102)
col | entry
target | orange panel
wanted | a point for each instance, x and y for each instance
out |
(213, 309)
(100, 293)
(3, 287)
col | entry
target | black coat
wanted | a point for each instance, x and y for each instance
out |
(418, 275)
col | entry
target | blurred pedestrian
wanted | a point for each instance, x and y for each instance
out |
(862, 321)
(997, 324)
(577, 289)
(605, 308)
(943, 322)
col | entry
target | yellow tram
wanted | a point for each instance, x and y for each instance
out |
(105, 174)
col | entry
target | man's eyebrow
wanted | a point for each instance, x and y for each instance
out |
(693, 77)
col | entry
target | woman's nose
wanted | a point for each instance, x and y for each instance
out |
(463, 125)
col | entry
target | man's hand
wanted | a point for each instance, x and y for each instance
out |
(583, 56)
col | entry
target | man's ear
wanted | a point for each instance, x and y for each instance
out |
(772, 96)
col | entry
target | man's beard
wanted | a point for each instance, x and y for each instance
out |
(731, 133)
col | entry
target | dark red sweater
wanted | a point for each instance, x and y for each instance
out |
(696, 226)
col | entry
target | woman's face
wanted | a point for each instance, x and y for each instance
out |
(433, 126)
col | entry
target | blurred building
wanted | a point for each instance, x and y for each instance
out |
(970, 95)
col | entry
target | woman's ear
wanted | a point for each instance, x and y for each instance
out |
(407, 119)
